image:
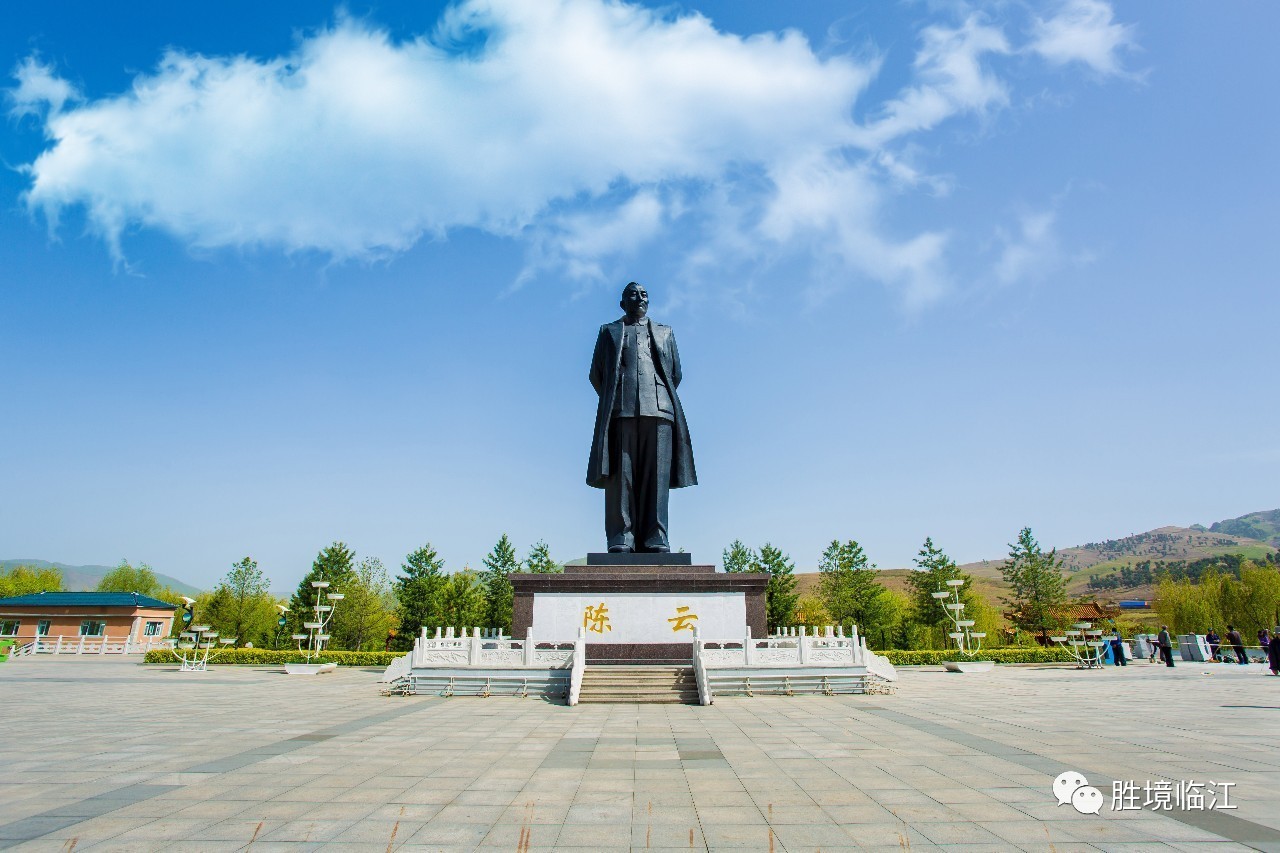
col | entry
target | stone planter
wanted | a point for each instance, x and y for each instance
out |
(309, 668)
(968, 665)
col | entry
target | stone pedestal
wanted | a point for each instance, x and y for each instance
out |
(639, 608)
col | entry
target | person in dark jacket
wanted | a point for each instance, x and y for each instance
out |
(1166, 645)
(1214, 642)
(1237, 644)
(1117, 650)
(1273, 651)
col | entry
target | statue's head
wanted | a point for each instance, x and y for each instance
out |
(635, 300)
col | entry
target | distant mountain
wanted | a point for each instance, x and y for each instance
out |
(1153, 549)
(1263, 526)
(1252, 536)
(76, 578)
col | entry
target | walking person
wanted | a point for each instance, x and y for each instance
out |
(1214, 642)
(1166, 645)
(1237, 644)
(1273, 651)
(1264, 640)
(1117, 650)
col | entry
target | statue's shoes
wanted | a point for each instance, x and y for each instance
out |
(619, 549)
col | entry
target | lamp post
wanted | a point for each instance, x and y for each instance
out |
(280, 623)
(316, 635)
(968, 641)
(196, 644)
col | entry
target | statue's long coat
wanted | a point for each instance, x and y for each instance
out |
(605, 364)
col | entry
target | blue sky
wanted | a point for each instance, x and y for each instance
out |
(272, 276)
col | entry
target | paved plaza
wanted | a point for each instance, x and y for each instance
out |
(111, 755)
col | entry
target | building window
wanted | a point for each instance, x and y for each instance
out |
(90, 628)
(9, 627)
(42, 628)
(152, 629)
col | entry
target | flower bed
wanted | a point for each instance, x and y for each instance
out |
(272, 657)
(901, 657)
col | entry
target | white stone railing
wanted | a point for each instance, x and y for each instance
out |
(78, 645)
(791, 648)
(700, 671)
(579, 667)
(484, 650)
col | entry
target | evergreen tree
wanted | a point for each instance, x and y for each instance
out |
(498, 592)
(935, 569)
(850, 591)
(739, 558)
(419, 590)
(539, 561)
(1038, 588)
(335, 564)
(780, 594)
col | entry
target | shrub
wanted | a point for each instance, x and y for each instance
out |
(271, 657)
(899, 657)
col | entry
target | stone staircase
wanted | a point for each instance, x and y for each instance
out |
(674, 685)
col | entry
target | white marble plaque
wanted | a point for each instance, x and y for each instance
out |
(638, 617)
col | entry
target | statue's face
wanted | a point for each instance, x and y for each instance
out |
(635, 300)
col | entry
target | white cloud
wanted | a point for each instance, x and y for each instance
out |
(38, 87)
(585, 129)
(952, 80)
(1030, 253)
(1082, 31)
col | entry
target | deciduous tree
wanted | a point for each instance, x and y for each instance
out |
(241, 606)
(24, 580)
(462, 600)
(365, 616)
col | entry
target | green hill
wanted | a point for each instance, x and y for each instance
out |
(1263, 526)
(76, 578)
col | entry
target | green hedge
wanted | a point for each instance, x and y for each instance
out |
(270, 657)
(901, 657)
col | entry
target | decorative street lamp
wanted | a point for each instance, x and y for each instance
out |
(197, 643)
(1085, 643)
(316, 635)
(968, 641)
(280, 623)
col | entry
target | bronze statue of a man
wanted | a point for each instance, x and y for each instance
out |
(641, 448)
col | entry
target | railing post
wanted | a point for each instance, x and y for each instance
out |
(748, 649)
(473, 656)
(80, 648)
(803, 643)
(528, 646)
(58, 650)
